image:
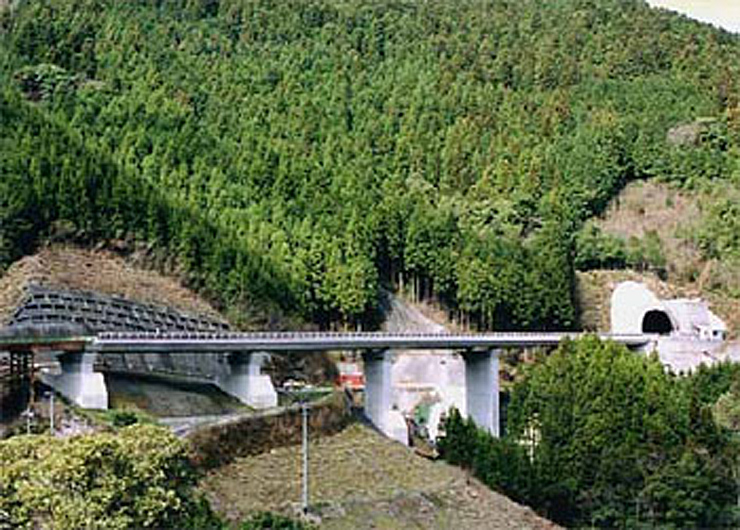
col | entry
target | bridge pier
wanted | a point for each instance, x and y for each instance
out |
(482, 389)
(15, 381)
(246, 382)
(378, 393)
(78, 380)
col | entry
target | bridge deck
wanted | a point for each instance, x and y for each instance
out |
(127, 342)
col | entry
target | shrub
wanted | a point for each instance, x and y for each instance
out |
(138, 478)
(600, 436)
(273, 521)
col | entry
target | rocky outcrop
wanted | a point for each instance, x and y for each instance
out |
(689, 134)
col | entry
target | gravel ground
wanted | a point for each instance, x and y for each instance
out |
(169, 397)
(358, 480)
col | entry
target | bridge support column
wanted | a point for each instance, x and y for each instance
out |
(78, 381)
(482, 389)
(378, 394)
(246, 382)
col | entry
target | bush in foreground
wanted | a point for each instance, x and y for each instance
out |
(138, 478)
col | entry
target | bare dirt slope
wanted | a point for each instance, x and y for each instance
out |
(402, 315)
(102, 271)
(359, 480)
(674, 217)
(432, 378)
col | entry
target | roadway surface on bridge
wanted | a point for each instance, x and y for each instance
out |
(138, 342)
(287, 341)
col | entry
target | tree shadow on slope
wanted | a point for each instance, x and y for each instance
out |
(49, 175)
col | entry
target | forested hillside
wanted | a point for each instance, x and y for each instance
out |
(598, 437)
(299, 154)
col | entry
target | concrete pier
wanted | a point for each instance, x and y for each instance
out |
(78, 381)
(378, 395)
(482, 389)
(246, 382)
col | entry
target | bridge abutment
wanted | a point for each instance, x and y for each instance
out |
(482, 389)
(378, 395)
(78, 380)
(246, 382)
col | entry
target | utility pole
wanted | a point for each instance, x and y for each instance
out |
(304, 414)
(51, 412)
(28, 413)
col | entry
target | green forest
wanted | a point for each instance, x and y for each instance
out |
(598, 437)
(293, 158)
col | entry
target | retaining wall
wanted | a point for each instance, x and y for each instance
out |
(218, 445)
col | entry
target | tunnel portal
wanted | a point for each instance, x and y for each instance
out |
(656, 321)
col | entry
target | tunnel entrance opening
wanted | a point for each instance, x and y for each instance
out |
(656, 321)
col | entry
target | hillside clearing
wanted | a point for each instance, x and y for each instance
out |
(68, 267)
(674, 216)
(359, 479)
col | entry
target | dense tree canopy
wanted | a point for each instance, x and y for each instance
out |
(301, 154)
(599, 436)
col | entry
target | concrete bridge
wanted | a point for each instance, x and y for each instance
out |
(247, 352)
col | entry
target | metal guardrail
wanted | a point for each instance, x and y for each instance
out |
(51, 318)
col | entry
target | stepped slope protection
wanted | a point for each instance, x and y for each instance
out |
(69, 269)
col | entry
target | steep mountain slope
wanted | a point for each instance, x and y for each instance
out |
(678, 224)
(295, 156)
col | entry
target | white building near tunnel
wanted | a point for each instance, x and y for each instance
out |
(635, 309)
